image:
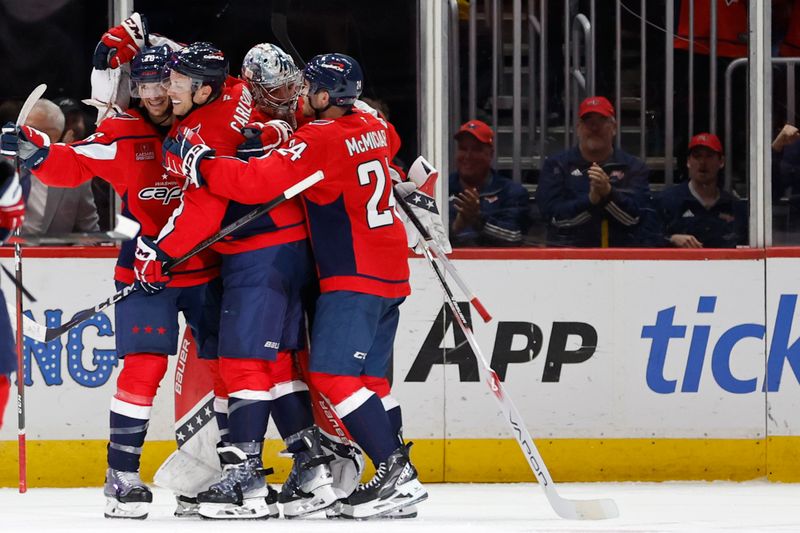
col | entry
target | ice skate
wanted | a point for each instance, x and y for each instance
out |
(242, 493)
(186, 506)
(309, 487)
(394, 486)
(126, 495)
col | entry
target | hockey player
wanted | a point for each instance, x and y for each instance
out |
(12, 209)
(275, 82)
(266, 266)
(360, 250)
(126, 151)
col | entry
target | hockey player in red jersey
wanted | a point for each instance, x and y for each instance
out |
(360, 250)
(126, 151)
(266, 267)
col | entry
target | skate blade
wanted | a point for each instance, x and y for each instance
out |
(132, 510)
(251, 509)
(403, 513)
(408, 494)
(187, 512)
(323, 499)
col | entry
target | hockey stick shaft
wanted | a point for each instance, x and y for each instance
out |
(47, 334)
(571, 509)
(448, 265)
(279, 23)
(22, 448)
(21, 443)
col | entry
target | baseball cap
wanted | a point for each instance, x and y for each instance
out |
(709, 140)
(596, 104)
(478, 129)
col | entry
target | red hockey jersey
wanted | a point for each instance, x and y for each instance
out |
(358, 240)
(731, 28)
(201, 214)
(126, 152)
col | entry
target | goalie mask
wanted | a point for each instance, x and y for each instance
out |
(273, 79)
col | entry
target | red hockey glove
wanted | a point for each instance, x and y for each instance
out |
(183, 154)
(119, 44)
(262, 137)
(148, 266)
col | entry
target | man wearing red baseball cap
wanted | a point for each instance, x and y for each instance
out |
(485, 207)
(593, 195)
(697, 213)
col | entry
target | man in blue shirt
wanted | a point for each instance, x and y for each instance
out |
(593, 195)
(485, 208)
(697, 213)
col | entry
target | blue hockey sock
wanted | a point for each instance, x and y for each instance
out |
(127, 435)
(372, 430)
(396, 420)
(292, 413)
(247, 419)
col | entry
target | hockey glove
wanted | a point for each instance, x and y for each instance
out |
(119, 44)
(183, 154)
(29, 144)
(424, 207)
(9, 144)
(148, 266)
(263, 137)
(12, 206)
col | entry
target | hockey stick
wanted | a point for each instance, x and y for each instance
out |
(448, 265)
(23, 461)
(25, 292)
(280, 9)
(570, 509)
(44, 334)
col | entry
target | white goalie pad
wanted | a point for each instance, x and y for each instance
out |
(185, 474)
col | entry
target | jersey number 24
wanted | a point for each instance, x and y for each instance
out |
(369, 173)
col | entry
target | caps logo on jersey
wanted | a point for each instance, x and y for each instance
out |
(144, 151)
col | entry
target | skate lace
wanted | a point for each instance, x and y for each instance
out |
(231, 476)
(376, 479)
(128, 480)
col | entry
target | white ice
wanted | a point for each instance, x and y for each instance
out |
(644, 507)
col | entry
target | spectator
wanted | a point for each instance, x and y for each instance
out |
(593, 195)
(78, 126)
(697, 213)
(485, 208)
(51, 210)
(786, 164)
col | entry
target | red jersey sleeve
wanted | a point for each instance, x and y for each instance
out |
(102, 154)
(218, 124)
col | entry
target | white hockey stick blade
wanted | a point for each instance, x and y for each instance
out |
(185, 474)
(125, 229)
(33, 330)
(603, 509)
(30, 328)
(29, 103)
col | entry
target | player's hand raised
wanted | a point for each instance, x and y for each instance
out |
(119, 44)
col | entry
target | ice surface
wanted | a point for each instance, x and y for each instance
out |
(644, 507)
